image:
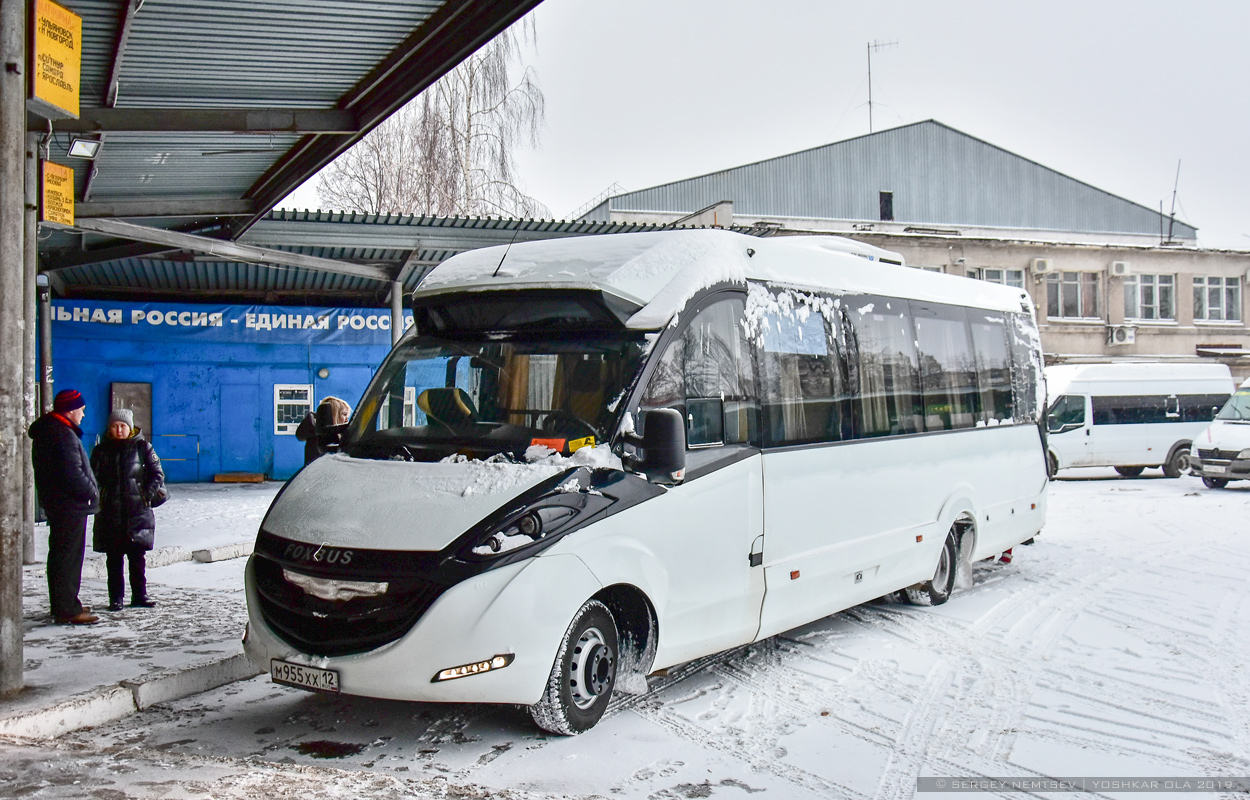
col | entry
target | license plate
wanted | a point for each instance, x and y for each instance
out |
(318, 680)
(1217, 469)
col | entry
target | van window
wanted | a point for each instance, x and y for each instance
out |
(708, 374)
(1067, 413)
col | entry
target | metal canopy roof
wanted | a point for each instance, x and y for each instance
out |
(406, 247)
(211, 113)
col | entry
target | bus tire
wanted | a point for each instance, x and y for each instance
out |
(583, 675)
(937, 590)
(1052, 465)
(1178, 462)
(1215, 483)
(1130, 472)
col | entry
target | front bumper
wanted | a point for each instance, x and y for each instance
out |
(522, 609)
(1221, 464)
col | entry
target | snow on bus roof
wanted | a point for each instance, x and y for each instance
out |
(660, 271)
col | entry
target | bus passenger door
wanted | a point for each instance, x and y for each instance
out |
(707, 528)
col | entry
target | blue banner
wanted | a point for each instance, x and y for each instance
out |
(171, 322)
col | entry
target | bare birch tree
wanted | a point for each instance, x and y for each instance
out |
(452, 149)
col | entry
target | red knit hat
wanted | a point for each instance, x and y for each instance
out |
(68, 400)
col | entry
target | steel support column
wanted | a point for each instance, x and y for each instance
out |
(397, 312)
(29, 376)
(12, 437)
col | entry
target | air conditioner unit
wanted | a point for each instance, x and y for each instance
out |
(1119, 269)
(1043, 265)
(1121, 334)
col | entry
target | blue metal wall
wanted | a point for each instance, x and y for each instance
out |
(213, 371)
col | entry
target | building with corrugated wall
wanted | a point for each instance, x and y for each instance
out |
(1110, 278)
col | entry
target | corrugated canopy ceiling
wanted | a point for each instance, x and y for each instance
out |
(212, 113)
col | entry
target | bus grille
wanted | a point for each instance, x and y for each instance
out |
(336, 628)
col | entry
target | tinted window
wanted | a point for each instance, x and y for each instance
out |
(948, 370)
(989, 341)
(802, 378)
(1026, 368)
(884, 366)
(708, 375)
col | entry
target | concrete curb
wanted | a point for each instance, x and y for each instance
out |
(110, 703)
(95, 567)
(223, 553)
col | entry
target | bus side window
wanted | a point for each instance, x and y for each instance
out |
(889, 388)
(708, 375)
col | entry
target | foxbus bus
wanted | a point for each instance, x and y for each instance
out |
(595, 458)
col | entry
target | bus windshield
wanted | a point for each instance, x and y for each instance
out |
(436, 397)
(1237, 407)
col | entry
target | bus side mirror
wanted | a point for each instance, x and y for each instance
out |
(662, 445)
(1052, 424)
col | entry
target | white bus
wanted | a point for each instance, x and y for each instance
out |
(599, 457)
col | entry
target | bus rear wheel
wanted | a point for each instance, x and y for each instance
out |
(1130, 472)
(1215, 483)
(583, 676)
(937, 590)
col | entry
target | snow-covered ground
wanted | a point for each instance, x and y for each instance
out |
(1116, 646)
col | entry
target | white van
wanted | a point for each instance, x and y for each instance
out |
(1131, 415)
(1222, 451)
(594, 458)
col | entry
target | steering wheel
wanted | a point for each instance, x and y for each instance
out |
(552, 423)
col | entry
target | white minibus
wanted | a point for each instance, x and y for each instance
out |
(1131, 415)
(1222, 450)
(594, 458)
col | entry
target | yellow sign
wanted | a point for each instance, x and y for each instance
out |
(58, 194)
(56, 60)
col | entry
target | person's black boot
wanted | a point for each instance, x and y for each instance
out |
(115, 605)
(142, 602)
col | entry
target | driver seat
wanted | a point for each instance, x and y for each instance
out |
(450, 406)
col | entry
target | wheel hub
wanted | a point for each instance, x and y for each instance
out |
(591, 669)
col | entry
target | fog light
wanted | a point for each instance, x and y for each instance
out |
(498, 662)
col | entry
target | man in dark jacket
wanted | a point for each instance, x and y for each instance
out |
(68, 492)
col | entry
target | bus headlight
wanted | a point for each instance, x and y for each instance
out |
(464, 670)
(549, 516)
(1244, 454)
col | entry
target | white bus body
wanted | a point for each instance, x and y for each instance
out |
(1131, 415)
(1222, 451)
(816, 427)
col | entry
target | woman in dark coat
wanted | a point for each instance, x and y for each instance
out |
(321, 432)
(131, 480)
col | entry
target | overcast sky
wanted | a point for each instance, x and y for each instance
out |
(1111, 92)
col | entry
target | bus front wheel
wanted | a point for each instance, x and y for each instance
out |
(1178, 463)
(583, 675)
(936, 591)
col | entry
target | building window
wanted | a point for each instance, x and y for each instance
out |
(1217, 299)
(1150, 297)
(291, 403)
(1006, 277)
(1072, 295)
(886, 203)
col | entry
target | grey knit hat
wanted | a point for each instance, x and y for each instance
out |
(123, 415)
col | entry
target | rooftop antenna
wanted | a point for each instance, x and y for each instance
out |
(515, 231)
(1172, 216)
(872, 46)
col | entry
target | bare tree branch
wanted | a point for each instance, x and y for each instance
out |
(451, 151)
